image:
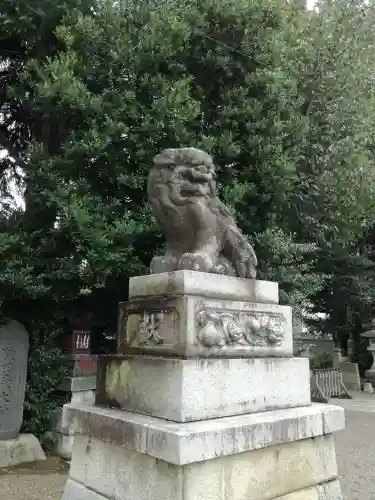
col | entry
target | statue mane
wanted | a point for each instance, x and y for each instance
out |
(191, 171)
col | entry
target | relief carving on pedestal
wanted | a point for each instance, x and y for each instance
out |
(149, 328)
(225, 328)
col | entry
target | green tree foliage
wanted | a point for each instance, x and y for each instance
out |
(336, 75)
(280, 96)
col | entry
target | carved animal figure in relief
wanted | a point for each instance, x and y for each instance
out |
(200, 231)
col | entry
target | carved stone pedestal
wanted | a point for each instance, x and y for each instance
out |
(204, 401)
(188, 313)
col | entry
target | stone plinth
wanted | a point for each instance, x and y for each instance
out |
(204, 401)
(188, 313)
(183, 283)
(119, 454)
(196, 389)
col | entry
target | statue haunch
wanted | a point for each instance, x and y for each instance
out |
(200, 231)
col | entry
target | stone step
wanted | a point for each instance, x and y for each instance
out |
(282, 454)
(184, 443)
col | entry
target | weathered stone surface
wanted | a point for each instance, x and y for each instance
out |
(14, 346)
(87, 397)
(181, 283)
(24, 449)
(196, 389)
(60, 426)
(60, 421)
(327, 491)
(333, 418)
(62, 445)
(263, 474)
(201, 233)
(77, 491)
(185, 443)
(118, 473)
(78, 384)
(190, 325)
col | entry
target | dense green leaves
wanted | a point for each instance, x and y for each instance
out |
(282, 97)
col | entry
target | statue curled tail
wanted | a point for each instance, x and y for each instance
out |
(240, 253)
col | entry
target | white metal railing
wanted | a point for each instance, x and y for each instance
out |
(327, 383)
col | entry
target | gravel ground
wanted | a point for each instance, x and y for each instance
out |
(40, 481)
(355, 456)
(355, 448)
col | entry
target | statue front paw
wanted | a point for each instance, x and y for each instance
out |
(163, 264)
(223, 266)
(194, 262)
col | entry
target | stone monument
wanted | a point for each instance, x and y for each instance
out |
(204, 399)
(14, 448)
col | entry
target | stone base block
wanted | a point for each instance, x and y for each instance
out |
(25, 449)
(284, 455)
(185, 390)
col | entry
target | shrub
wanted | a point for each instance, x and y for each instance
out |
(321, 360)
(45, 372)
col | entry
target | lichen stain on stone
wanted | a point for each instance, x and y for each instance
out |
(132, 329)
(88, 446)
(117, 377)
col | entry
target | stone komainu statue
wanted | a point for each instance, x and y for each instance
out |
(200, 231)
